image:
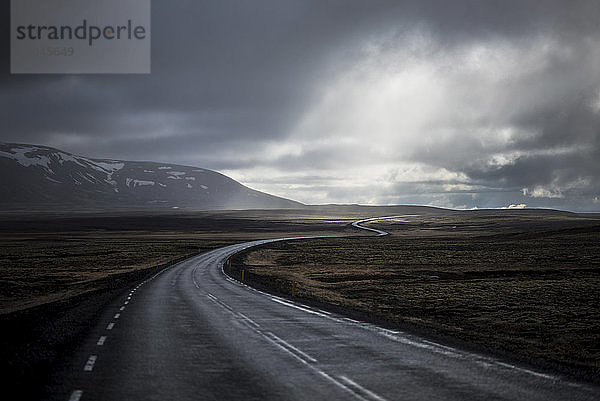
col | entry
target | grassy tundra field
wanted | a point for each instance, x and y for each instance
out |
(52, 258)
(526, 282)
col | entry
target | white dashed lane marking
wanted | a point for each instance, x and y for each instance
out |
(89, 365)
(350, 386)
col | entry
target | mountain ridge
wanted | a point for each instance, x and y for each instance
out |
(34, 177)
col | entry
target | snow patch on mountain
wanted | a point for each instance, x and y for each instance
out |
(63, 157)
(110, 166)
(20, 155)
(137, 183)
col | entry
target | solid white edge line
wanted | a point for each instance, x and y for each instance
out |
(531, 372)
(299, 307)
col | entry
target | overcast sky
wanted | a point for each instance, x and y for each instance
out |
(457, 104)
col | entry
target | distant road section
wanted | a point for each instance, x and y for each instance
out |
(193, 333)
(358, 224)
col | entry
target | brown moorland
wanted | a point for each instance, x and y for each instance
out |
(526, 282)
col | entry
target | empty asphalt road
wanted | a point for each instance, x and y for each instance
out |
(192, 333)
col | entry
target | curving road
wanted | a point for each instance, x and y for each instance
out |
(192, 333)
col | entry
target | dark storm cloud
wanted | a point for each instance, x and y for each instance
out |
(256, 88)
(248, 63)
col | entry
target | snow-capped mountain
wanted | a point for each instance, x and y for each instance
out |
(36, 177)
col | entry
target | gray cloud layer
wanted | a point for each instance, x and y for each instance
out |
(458, 104)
